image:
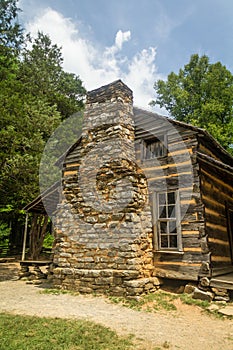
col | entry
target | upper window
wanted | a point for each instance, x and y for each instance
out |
(154, 148)
(168, 226)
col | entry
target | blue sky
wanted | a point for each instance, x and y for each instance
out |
(138, 41)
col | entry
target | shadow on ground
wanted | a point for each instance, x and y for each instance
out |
(9, 271)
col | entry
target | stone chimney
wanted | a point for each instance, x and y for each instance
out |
(104, 226)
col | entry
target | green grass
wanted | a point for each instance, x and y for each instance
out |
(150, 302)
(34, 333)
(58, 291)
(161, 300)
(187, 299)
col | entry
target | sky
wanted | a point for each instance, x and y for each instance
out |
(138, 41)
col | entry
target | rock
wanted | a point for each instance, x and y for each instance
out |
(37, 282)
(213, 307)
(227, 311)
(180, 290)
(189, 288)
(222, 298)
(205, 282)
(156, 281)
(200, 294)
(220, 291)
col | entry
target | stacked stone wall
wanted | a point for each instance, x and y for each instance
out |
(104, 226)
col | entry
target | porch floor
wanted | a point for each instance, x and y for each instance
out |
(223, 281)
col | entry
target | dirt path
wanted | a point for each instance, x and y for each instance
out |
(187, 328)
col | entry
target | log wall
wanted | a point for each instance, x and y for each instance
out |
(178, 170)
(217, 193)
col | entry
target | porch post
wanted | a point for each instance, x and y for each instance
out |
(25, 236)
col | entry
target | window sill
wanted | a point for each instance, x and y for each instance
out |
(175, 252)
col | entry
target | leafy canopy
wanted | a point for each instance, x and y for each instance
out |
(200, 94)
(36, 94)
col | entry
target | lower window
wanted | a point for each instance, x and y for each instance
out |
(167, 221)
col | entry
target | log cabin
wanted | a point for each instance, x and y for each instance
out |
(142, 197)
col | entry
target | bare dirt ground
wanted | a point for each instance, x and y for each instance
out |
(187, 328)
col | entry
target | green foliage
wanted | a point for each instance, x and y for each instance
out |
(200, 94)
(187, 299)
(11, 32)
(26, 122)
(24, 332)
(36, 94)
(48, 241)
(4, 238)
(58, 291)
(43, 62)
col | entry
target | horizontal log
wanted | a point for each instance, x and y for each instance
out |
(217, 234)
(216, 227)
(218, 241)
(214, 197)
(71, 165)
(217, 258)
(213, 203)
(180, 257)
(216, 219)
(181, 151)
(69, 172)
(218, 250)
(180, 263)
(207, 151)
(216, 271)
(175, 272)
(190, 232)
(165, 166)
(217, 180)
(208, 186)
(192, 249)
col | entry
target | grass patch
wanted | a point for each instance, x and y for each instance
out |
(150, 302)
(161, 300)
(34, 333)
(58, 291)
(187, 299)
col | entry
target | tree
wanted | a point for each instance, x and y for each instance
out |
(42, 74)
(36, 94)
(11, 38)
(200, 94)
(11, 32)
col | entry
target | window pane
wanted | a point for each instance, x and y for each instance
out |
(162, 212)
(147, 153)
(162, 198)
(173, 241)
(171, 198)
(163, 227)
(168, 225)
(172, 227)
(164, 242)
(171, 211)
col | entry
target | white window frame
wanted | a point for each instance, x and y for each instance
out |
(157, 220)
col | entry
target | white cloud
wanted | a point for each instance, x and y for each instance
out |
(122, 37)
(99, 66)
